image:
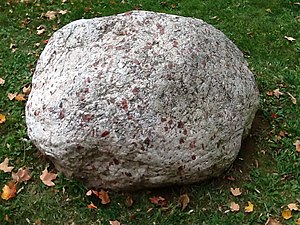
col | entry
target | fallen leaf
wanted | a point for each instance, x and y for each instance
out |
(286, 214)
(103, 195)
(11, 96)
(269, 10)
(249, 208)
(277, 93)
(293, 99)
(13, 47)
(2, 118)
(9, 191)
(158, 201)
(20, 97)
(38, 222)
(47, 177)
(26, 90)
(293, 206)
(40, 29)
(92, 206)
(291, 39)
(296, 3)
(50, 15)
(235, 191)
(298, 221)
(4, 166)
(269, 93)
(21, 176)
(234, 207)
(8, 219)
(63, 12)
(297, 144)
(114, 222)
(2, 81)
(129, 201)
(184, 200)
(272, 221)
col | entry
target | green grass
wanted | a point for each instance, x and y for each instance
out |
(267, 170)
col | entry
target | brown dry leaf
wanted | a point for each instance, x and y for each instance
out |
(293, 99)
(103, 195)
(47, 177)
(92, 206)
(129, 201)
(26, 90)
(11, 96)
(41, 29)
(234, 207)
(277, 93)
(293, 206)
(290, 39)
(235, 191)
(2, 81)
(50, 15)
(21, 176)
(297, 144)
(20, 97)
(2, 118)
(272, 221)
(184, 200)
(249, 208)
(286, 214)
(114, 222)
(9, 191)
(4, 166)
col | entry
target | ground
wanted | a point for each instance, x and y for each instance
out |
(266, 172)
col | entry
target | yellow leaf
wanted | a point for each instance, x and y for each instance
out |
(47, 177)
(2, 118)
(235, 191)
(249, 208)
(184, 200)
(20, 97)
(4, 166)
(9, 191)
(2, 81)
(286, 214)
(234, 207)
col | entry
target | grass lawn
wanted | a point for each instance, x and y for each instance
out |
(267, 170)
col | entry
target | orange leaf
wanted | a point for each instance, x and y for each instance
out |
(249, 208)
(47, 177)
(184, 200)
(235, 191)
(11, 96)
(21, 176)
(9, 191)
(272, 221)
(298, 221)
(103, 195)
(2, 118)
(286, 214)
(234, 207)
(20, 97)
(114, 222)
(159, 201)
(4, 166)
(297, 144)
(92, 206)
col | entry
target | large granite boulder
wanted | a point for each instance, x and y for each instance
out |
(140, 99)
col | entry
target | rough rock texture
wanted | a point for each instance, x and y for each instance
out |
(140, 99)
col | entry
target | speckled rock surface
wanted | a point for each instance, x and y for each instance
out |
(140, 99)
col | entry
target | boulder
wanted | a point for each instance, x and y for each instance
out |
(140, 100)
